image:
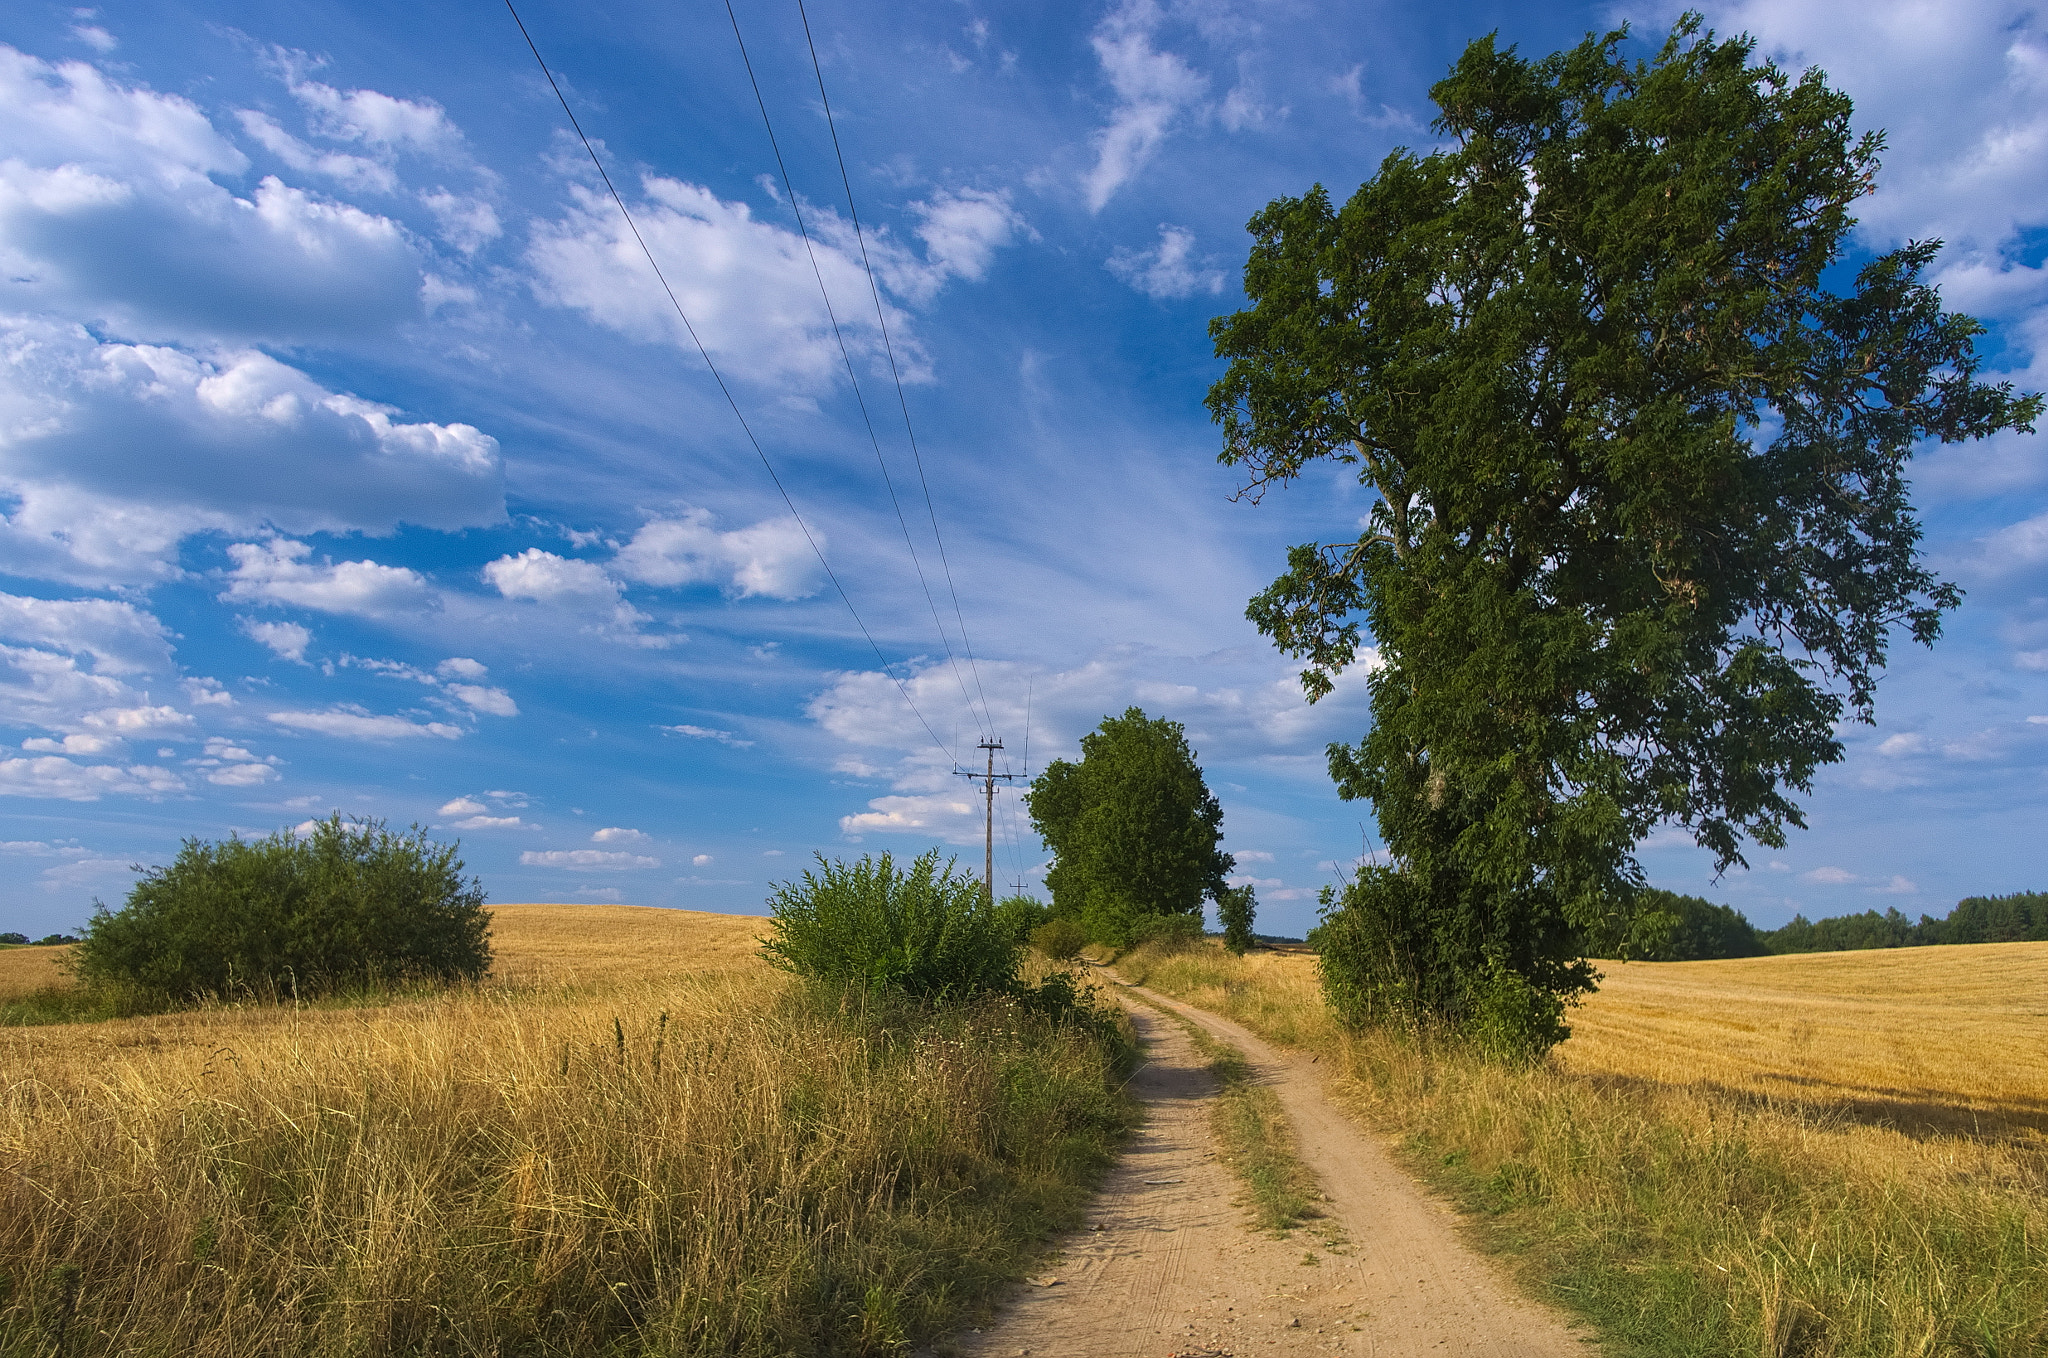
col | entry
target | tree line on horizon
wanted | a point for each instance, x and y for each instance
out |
(1669, 927)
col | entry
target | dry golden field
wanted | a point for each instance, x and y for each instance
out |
(26, 969)
(592, 944)
(1943, 1040)
(635, 1137)
(1823, 1156)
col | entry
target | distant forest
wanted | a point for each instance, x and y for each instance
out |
(1668, 927)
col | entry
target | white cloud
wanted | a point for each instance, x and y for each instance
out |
(280, 572)
(108, 208)
(55, 776)
(353, 723)
(356, 172)
(707, 733)
(1898, 886)
(901, 814)
(461, 667)
(95, 37)
(617, 834)
(495, 701)
(79, 742)
(1153, 89)
(1906, 742)
(746, 285)
(1829, 876)
(961, 229)
(287, 640)
(492, 823)
(468, 224)
(242, 775)
(1168, 271)
(145, 720)
(118, 637)
(115, 452)
(770, 558)
(464, 806)
(547, 578)
(701, 860)
(597, 859)
(1252, 856)
(369, 116)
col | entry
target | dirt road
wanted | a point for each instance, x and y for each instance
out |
(1169, 1263)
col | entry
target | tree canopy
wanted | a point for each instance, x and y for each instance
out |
(1133, 829)
(1637, 525)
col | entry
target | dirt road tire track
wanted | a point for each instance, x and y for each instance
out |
(1170, 1264)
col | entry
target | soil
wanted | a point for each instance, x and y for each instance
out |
(1170, 1265)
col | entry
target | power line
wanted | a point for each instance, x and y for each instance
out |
(890, 349)
(796, 208)
(718, 377)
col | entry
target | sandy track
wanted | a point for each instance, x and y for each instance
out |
(1170, 1264)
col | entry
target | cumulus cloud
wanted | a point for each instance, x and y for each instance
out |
(547, 578)
(494, 701)
(1153, 90)
(617, 834)
(286, 640)
(281, 572)
(57, 777)
(771, 558)
(597, 859)
(108, 209)
(466, 223)
(350, 722)
(1829, 876)
(356, 172)
(116, 451)
(116, 636)
(1169, 270)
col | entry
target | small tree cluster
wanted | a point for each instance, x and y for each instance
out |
(1134, 831)
(347, 904)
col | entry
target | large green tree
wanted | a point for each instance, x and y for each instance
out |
(1638, 532)
(1133, 829)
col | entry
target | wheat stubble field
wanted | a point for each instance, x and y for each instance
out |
(637, 1137)
(1804, 1157)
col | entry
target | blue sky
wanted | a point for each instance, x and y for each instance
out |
(351, 459)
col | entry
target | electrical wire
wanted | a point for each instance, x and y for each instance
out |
(719, 377)
(831, 313)
(890, 349)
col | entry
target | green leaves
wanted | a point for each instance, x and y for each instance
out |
(924, 931)
(1133, 828)
(1639, 531)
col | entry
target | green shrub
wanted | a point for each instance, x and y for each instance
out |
(925, 932)
(1167, 933)
(1060, 939)
(1021, 915)
(349, 904)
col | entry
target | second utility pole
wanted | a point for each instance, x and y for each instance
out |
(988, 842)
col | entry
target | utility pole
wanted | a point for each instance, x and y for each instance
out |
(988, 842)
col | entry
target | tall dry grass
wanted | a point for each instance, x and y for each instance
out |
(724, 1163)
(1695, 1193)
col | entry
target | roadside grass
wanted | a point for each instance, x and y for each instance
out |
(1788, 1210)
(721, 1163)
(1256, 1139)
